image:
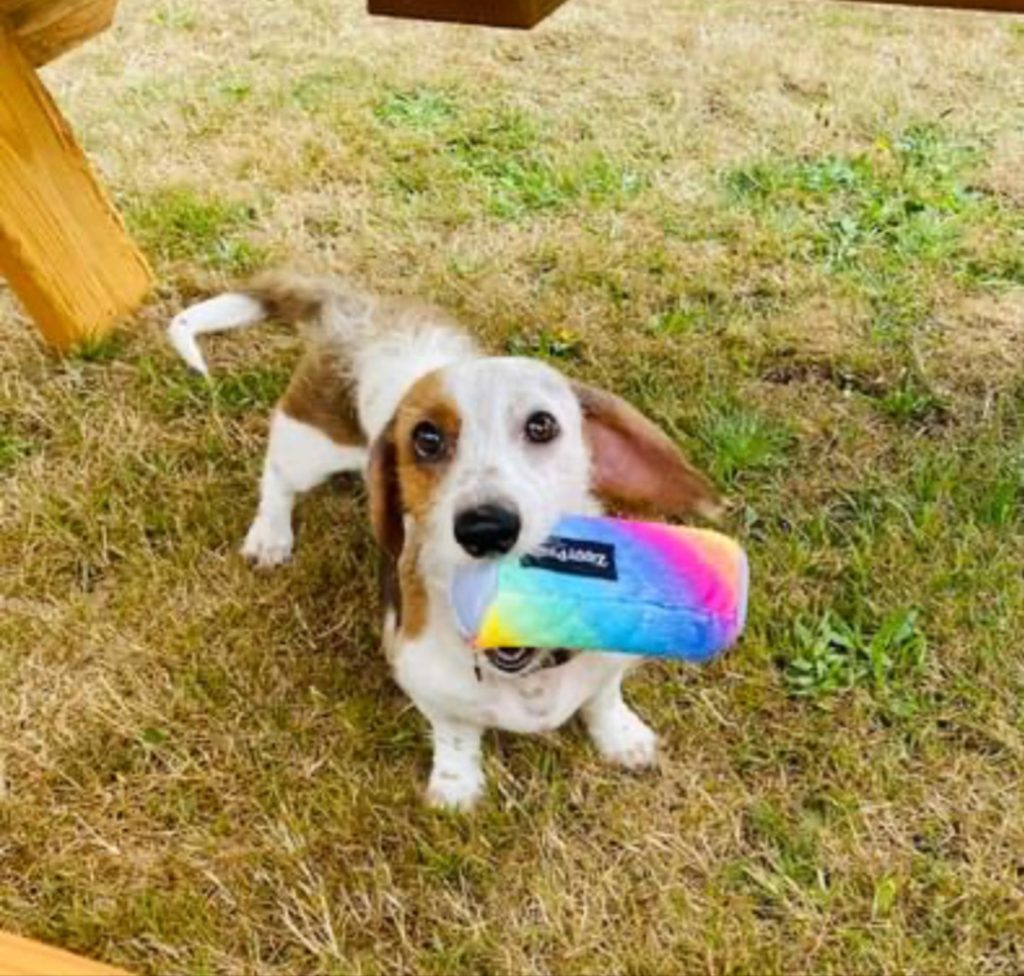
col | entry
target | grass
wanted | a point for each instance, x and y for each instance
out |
(833, 656)
(887, 218)
(181, 224)
(791, 233)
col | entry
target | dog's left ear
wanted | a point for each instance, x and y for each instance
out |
(635, 465)
(386, 493)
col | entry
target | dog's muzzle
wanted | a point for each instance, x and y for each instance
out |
(526, 660)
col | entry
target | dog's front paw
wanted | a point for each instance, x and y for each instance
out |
(455, 788)
(268, 543)
(626, 740)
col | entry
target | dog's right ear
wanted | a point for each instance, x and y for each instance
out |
(386, 493)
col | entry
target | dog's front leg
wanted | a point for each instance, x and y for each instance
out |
(457, 779)
(620, 735)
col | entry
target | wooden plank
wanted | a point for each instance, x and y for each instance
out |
(492, 13)
(999, 6)
(48, 28)
(62, 245)
(527, 13)
(23, 957)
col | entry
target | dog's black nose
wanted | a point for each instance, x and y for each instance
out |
(487, 530)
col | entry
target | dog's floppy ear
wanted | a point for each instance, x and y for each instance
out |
(386, 493)
(635, 465)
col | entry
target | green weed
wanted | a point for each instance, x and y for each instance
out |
(741, 442)
(834, 656)
(913, 402)
(547, 344)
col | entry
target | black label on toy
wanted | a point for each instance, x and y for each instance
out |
(575, 557)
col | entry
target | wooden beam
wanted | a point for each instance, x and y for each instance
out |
(528, 13)
(491, 13)
(47, 28)
(999, 6)
(23, 957)
(62, 245)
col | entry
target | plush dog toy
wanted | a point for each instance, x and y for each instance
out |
(610, 585)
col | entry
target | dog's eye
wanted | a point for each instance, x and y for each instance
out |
(541, 427)
(428, 441)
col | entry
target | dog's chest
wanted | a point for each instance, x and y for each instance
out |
(443, 678)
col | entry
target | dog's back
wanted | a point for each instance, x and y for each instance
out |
(363, 351)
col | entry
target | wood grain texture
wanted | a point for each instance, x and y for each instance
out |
(62, 245)
(528, 13)
(491, 13)
(1002, 6)
(23, 957)
(48, 28)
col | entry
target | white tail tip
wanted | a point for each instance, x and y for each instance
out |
(229, 311)
(183, 338)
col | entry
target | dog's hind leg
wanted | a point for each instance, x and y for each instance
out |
(314, 433)
(299, 457)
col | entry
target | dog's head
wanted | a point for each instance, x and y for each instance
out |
(483, 457)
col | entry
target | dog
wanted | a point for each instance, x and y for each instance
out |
(466, 457)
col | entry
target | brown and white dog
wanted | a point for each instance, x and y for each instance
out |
(467, 457)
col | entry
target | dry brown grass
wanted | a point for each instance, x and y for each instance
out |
(207, 770)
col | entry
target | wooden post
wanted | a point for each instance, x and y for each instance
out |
(62, 245)
(23, 957)
(45, 29)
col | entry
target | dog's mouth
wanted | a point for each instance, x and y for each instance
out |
(520, 660)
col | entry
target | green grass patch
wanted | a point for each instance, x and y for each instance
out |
(182, 224)
(177, 393)
(834, 656)
(903, 202)
(13, 448)
(997, 500)
(501, 160)
(176, 15)
(789, 845)
(98, 349)
(417, 108)
(912, 401)
(888, 220)
(742, 442)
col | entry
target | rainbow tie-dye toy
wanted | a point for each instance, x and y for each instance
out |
(607, 584)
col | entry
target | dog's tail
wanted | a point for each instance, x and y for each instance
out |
(331, 308)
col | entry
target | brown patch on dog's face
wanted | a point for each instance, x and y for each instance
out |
(427, 427)
(320, 394)
(407, 464)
